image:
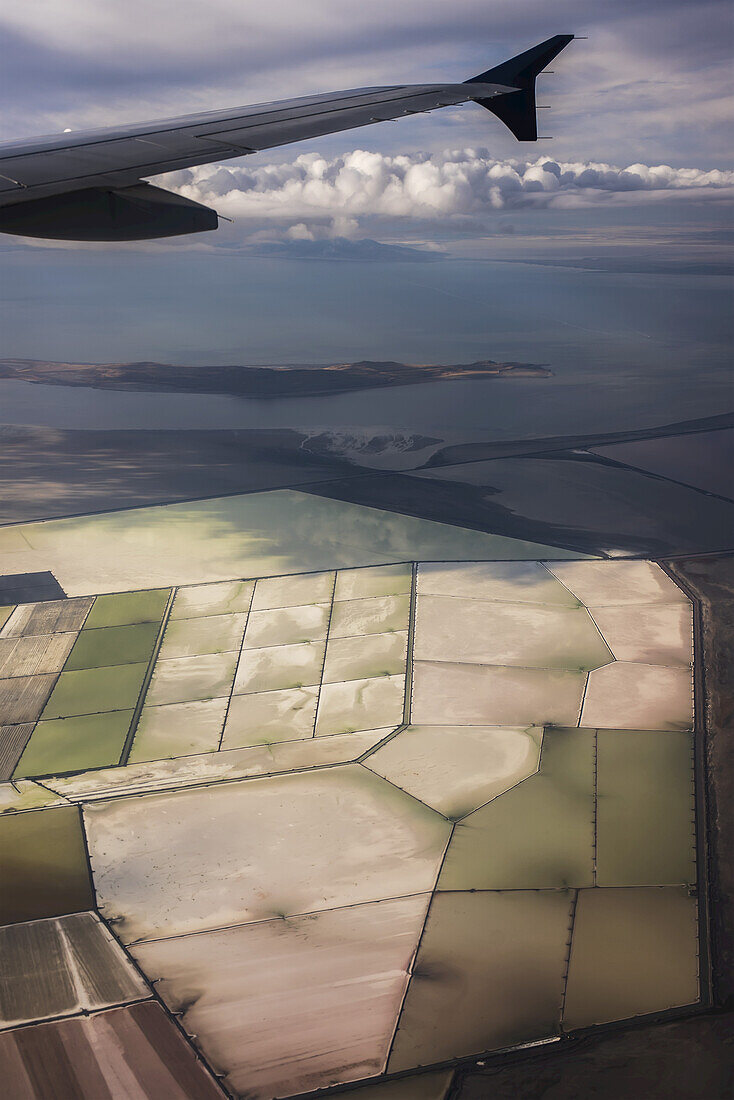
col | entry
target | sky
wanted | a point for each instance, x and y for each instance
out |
(638, 176)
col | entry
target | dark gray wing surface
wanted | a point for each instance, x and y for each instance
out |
(89, 185)
(117, 159)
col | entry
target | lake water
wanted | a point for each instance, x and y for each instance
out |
(569, 403)
(626, 350)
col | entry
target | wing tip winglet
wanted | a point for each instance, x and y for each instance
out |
(517, 108)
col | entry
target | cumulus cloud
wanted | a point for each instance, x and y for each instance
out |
(312, 196)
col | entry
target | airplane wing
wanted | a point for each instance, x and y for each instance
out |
(89, 185)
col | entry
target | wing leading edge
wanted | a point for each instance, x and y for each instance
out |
(90, 185)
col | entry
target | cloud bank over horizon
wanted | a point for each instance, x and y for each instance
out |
(313, 196)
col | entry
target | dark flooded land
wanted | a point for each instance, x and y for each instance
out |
(680, 1059)
(583, 493)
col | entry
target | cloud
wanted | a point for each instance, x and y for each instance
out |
(312, 197)
(166, 34)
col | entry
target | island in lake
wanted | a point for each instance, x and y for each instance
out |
(262, 381)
